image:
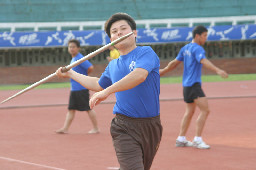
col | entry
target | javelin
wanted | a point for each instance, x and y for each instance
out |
(68, 67)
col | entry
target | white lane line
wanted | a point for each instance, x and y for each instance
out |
(113, 168)
(30, 163)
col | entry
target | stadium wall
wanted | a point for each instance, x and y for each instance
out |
(32, 74)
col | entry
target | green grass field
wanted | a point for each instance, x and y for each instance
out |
(212, 78)
(164, 80)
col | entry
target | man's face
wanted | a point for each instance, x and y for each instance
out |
(119, 29)
(202, 38)
(73, 49)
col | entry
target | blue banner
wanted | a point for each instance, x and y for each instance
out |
(145, 36)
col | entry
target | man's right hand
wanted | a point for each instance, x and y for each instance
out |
(60, 74)
(222, 73)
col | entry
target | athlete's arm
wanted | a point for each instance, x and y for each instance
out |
(88, 82)
(90, 69)
(171, 65)
(136, 77)
(209, 65)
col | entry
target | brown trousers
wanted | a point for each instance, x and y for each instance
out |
(136, 141)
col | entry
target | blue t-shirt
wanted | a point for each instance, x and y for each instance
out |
(191, 55)
(82, 69)
(143, 100)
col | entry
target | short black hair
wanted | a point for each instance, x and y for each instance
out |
(117, 17)
(199, 30)
(74, 41)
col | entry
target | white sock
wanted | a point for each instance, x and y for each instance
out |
(181, 138)
(198, 139)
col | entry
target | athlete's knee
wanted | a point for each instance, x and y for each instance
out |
(189, 113)
(206, 111)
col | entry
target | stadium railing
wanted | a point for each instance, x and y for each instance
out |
(189, 22)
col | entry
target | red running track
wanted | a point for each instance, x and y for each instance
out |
(28, 141)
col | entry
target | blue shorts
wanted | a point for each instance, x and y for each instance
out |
(193, 92)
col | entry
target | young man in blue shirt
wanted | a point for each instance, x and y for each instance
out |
(193, 57)
(134, 77)
(79, 95)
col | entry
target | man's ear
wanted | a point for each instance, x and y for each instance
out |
(135, 33)
(197, 36)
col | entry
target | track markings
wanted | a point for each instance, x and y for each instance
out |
(30, 163)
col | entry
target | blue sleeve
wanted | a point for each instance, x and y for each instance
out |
(105, 79)
(86, 64)
(199, 54)
(180, 56)
(147, 59)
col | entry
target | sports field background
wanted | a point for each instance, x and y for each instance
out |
(28, 122)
